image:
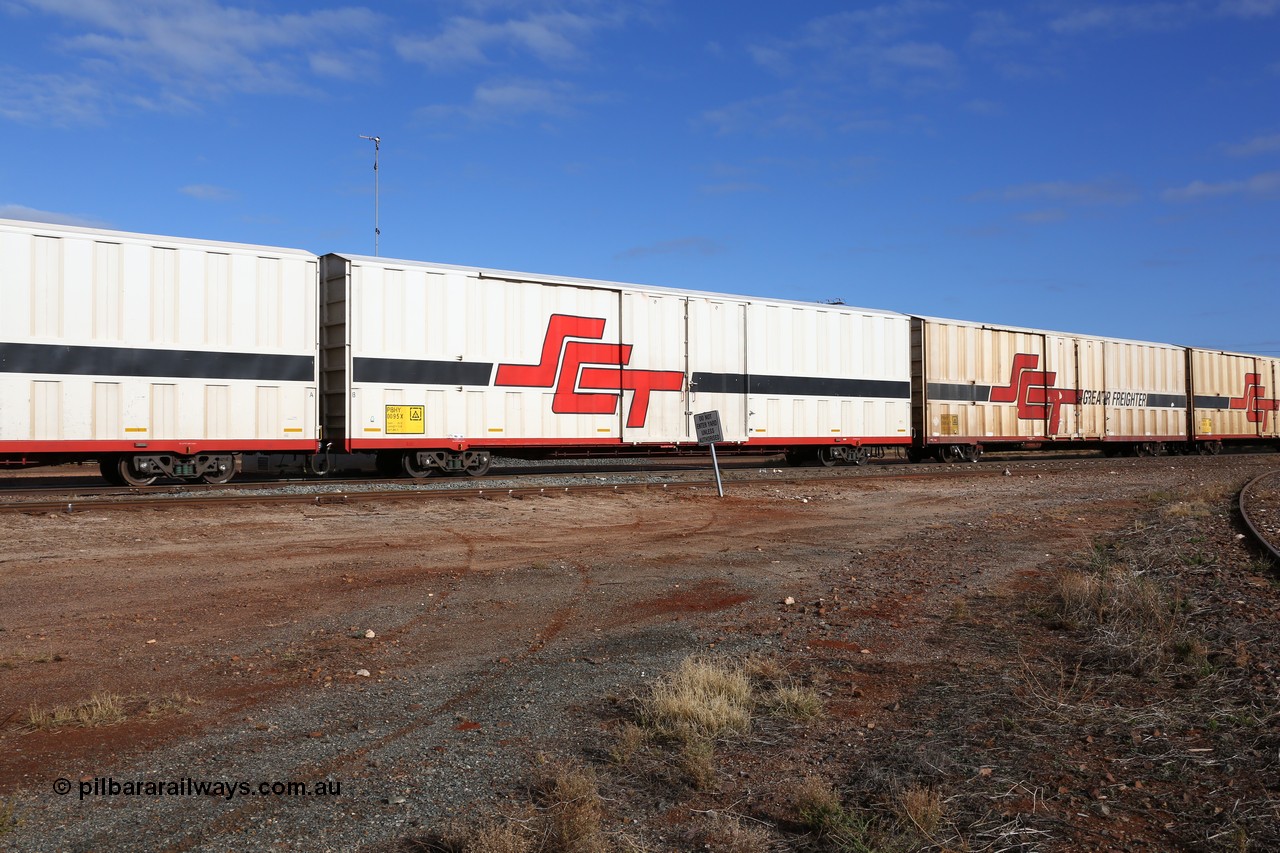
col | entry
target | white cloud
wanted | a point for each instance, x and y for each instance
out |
(207, 192)
(1262, 185)
(512, 99)
(1042, 217)
(732, 188)
(50, 99)
(682, 246)
(550, 37)
(1249, 8)
(195, 48)
(1257, 145)
(1115, 19)
(872, 40)
(1107, 191)
(31, 214)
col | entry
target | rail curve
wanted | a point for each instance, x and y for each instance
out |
(1260, 509)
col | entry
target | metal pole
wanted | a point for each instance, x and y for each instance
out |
(715, 463)
(377, 232)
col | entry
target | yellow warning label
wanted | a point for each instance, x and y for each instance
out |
(1206, 425)
(406, 420)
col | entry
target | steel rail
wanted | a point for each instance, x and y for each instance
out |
(143, 499)
(1273, 548)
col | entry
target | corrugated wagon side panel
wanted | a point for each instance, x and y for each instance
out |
(488, 361)
(978, 383)
(1235, 395)
(132, 333)
(804, 363)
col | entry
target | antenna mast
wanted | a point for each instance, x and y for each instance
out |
(377, 232)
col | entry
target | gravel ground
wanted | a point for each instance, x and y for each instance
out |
(502, 630)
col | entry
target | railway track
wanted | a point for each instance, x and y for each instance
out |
(1260, 508)
(518, 483)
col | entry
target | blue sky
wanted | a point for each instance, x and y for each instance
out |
(1109, 168)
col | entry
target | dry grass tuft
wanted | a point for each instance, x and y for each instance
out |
(174, 703)
(922, 808)
(819, 810)
(9, 819)
(632, 739)
(101, 709)
(728, 834)
(1186, 509)
(798, 703)
(1136, 623)
(569, 795)
(765, 669)
(501, 838)
(702, 698)
(698, 761)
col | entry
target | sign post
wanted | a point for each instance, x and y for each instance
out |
(707, 425)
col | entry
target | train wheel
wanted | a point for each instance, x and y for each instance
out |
(859, 455)
(795, 456)
(217, 478)
(827, 457)
(409, 464)
(109, 471)
(971, 452)
(130, 474)
(481, 466)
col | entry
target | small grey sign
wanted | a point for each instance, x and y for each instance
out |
(707, 425)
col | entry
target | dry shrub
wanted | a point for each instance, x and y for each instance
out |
(767, 669)
(798, 703)
(698, 761)
(570, 797)
(632, 739)
(1135, 622)
(501, 838)
(1187, 509)
(922, 807)
(101, 709)
(728, 834)
(818, 807)
(702, 698)
(176, 703)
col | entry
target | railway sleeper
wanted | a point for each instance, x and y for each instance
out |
(424, 463)
(143, 469)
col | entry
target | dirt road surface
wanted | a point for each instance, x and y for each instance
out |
(414, 661)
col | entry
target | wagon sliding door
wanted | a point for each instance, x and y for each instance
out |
(718, 363)
(654, 379)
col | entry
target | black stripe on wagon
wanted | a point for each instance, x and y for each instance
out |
(799, 386)
(1166, 401)
(407, 371)
(1206, 402)
(175, 364)
(943, 392)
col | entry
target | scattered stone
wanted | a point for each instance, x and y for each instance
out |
(788, 601)
(369, 635)
(363, 673)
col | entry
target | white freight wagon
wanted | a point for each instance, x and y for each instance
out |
(156, 356)
(436, 367)
(1235, 398)
(977, 385)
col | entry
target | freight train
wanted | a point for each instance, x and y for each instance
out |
(179, 358)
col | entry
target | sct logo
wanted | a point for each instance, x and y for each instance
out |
(1254, 400)
(576, 363)
(1034, 393)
